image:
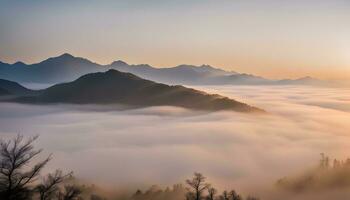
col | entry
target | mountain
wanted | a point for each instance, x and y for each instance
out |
(206, 75)
(66, 67)
(182, 74)
(15, 89)
(53, 70)
(302, 81)
(4, 92)
(114, 87)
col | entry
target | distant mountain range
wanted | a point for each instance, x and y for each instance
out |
(115, 87)
(53, 70)
(66, 67)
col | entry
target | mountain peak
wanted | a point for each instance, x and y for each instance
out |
(113, 71)
(62, 57)
(210, 68)
(19, 63)
(66, 55)
(206, 66)
(112, 74)
(119, 63)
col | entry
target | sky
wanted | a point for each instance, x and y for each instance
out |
(275, 39)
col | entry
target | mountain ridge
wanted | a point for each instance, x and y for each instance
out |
(66, 67)
(115, 87)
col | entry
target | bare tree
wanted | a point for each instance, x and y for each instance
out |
(234, 196)
(190, 196)
(211, 193)
(49, 188)
(197, 187)
(15, 178)
(224, 196)
(324, 162)
(70, 192)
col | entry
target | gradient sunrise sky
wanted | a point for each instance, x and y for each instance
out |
(276, 39)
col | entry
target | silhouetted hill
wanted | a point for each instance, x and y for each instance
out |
(114, 87)
(15, 88)
(66, 67)
(4, 92)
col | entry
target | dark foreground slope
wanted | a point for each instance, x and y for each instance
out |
(114, 87)
(13, 88)
(4, 92)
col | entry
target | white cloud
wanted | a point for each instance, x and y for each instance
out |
(165, 144)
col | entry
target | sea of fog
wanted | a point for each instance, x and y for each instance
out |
(165, 145)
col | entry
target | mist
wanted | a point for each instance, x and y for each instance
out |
(165, 145)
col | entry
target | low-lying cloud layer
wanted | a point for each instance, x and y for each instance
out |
(165, 144)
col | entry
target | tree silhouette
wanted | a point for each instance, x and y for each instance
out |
(15, 156)
(18, 176)
(49, 188)
(211, 193)
(70, 192)
(234, 196)
(224, 196)
(19, 179)
(197, 187)
(324, 162)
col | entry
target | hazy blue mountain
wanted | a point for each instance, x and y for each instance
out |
(114, 87)
(66, 67)
(182, 74)
(206, 75)
(53, 70)
(302, 81)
